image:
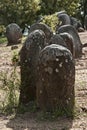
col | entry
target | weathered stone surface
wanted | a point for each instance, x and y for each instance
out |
(45, 28)
(61, 12)
(57, 39)
(72, 31)
(28, 58)
(69, 42)
(56, 78)
(13, 34)
(75, 23)
(64, 19)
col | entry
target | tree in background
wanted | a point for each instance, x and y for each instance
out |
(81, 11)
(52, 6)
(18, 11)
(28, 11)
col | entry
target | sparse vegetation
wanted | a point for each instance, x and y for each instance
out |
(51, 21)
(3, 39)
(10, 86)
(15, 58)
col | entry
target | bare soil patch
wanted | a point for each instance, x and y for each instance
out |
(28, 121)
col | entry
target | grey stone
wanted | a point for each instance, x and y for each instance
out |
(69, 42)
(56, 78)
(28, 58)
(61, 12)
(45, 28)
(13, 34)
(57, 39)
(64, 19)
(72, 31)
(76, 23)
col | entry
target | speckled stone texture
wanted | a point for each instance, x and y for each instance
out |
(56, 78)
(70, 44)
(75, 23)
(64, 39)
(45, 28)
(13, 34)
(72, 31)
(28, 57)
(64, 18)
(57, 39)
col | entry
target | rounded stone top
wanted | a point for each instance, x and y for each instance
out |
(57, 39)
(12, 27)
(13, 34)
(36, 37)
(61, 12)
(66, 35)
(45, 28)
(52, 52)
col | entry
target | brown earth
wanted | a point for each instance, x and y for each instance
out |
(29, 121)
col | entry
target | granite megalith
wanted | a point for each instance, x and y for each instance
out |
(13, 34)
(76, 39)
(56, 79)
(28, 59)
(45, 28)
(70, 44)
(57, 39)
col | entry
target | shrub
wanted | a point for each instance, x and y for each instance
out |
(2, 29)
(3, 40)
(51, 20)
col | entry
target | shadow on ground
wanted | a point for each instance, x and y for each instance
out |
(33, 121)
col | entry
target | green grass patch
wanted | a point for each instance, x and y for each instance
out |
(3, 40)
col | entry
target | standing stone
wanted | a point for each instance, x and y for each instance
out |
(64, 19)
(69, 42)
(13, 34)
(64, 39)
(56, 78)
(28, 57)
(61, 12)
(75, 23)
(45, 28)
(76, 39)
(57, 39)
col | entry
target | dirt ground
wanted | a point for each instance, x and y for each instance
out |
(28, 121)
